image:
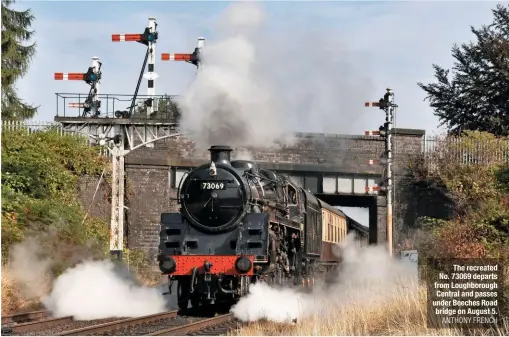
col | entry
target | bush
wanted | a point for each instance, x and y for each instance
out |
(472, 171)
(40, 172)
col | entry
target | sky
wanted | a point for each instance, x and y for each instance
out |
(341, 53)
(318, 61)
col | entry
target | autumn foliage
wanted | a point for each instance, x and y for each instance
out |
(473, 173)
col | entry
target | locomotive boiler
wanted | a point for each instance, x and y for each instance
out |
(239, 224)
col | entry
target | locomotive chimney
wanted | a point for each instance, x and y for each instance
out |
(220, 154)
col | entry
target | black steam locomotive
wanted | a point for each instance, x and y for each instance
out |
(239, 224)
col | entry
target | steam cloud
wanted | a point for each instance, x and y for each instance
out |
(367, 274)
(242, 154)
(100, 289)
(256, 87)
(29, 268)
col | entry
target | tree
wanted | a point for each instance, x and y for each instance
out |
(477, 96)
(168, 108)
(16, 57)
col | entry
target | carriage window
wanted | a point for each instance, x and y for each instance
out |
(292, 194)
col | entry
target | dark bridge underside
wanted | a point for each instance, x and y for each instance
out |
(356, 201)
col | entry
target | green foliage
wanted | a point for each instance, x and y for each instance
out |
(40, 172)
(477, 96)
(169, 108)
(16, 57)
(473, 172)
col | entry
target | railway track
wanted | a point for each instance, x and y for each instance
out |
(26, 317)
(49, 327)
(215, 326)
(169, 323)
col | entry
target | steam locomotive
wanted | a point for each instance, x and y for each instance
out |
(239, 224)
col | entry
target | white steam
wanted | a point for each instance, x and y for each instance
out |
(29, 268)
(242, 154)
(367, 275)
(256, 86)
(100, 289)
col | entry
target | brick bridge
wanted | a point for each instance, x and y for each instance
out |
(333, 166)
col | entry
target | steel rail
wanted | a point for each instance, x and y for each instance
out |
(19, 328)
(26, 316)
(116, 325)
(193, 327)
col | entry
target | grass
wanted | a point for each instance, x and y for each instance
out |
(403, 314)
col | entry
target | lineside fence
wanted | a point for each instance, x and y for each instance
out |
(463, 150)
(467, 150)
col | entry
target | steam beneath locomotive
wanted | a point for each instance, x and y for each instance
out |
(367, 275)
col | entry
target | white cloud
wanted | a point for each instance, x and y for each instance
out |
(370, 46)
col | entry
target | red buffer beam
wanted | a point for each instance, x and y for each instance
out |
(69, 76)
(175, 57)
(126, 37)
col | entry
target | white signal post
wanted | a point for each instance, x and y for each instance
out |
(386, 104)
(151, 75)
(92, 77)
(96, 65)
(148, 38)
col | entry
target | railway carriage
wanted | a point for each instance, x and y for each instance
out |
(239, 224)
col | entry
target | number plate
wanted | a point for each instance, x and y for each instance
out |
(213, 185)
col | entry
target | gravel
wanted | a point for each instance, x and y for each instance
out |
(217, 330)
(148, 328)
(56, 329)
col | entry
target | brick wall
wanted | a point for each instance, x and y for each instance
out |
(100, 205)
(148, 187)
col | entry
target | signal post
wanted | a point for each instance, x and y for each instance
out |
(193, 58)
(148, 38)
(386, 185)
(92, 77)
